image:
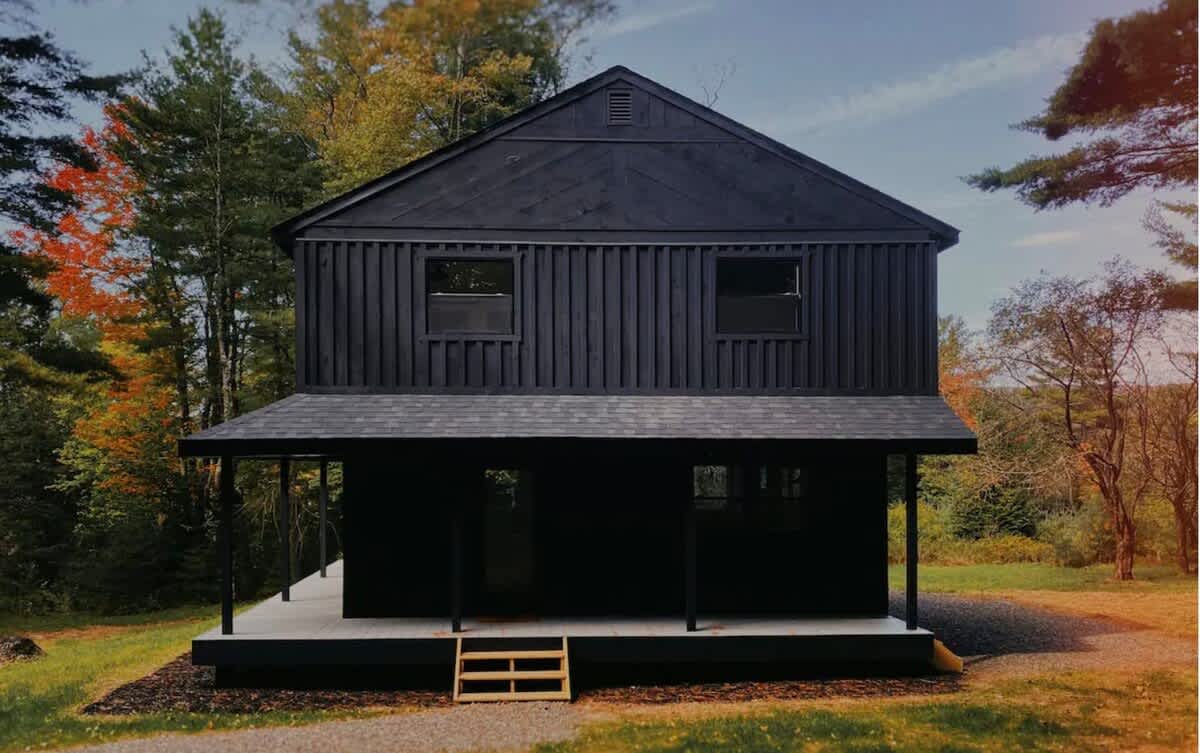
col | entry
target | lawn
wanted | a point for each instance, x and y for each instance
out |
(88, 655)
(1029, 576)
(85, 656)
(1160, 597)
(1083, 712)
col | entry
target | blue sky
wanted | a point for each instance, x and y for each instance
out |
(907, 97)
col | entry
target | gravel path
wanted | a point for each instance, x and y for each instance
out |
(1004, 637)
(484, 727)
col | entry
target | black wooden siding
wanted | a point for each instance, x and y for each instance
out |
(617, 317)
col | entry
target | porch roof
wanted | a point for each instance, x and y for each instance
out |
(308, 423)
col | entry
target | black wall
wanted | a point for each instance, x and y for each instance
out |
(609, 541)
(613, 317)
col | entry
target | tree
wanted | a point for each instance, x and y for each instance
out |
(1167, 451)
(376, 90)
(38, 83)
(1134, 90)
(1077, 346)
(41, 355)
(1133, 94)
(216, 172)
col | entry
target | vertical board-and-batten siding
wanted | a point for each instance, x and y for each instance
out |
(617, 318)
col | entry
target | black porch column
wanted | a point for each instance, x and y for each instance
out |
(324, 510)
(910, 533)
(225, 544)
(456, 568)
(689, 567)
(285, 529)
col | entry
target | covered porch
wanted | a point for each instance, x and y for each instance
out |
(309, 630)
(310, 622)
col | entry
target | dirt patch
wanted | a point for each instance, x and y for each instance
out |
(774, 690)
(18, 648)
(181, 686)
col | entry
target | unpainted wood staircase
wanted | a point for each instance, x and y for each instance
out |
(511, 674)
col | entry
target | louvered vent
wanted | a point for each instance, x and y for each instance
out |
(620, 106)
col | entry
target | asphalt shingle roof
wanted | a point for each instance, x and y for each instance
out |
(555, 416)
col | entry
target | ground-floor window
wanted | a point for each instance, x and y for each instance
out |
(765, 497)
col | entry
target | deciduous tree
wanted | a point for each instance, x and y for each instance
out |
(1076, 346)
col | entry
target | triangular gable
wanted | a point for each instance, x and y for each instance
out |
(561, 165)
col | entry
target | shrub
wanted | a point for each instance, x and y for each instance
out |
(1078, 537)
(994, 511)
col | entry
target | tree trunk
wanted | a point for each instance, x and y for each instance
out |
(1182, 555)
(1125, 534)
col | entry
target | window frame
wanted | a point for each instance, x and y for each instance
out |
(420, 287)
(803, 293)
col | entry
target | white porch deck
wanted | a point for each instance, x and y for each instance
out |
(310, 628)
(315, 613)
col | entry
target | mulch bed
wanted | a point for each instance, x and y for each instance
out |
(180, 686)
(774, 690)
(17, 648)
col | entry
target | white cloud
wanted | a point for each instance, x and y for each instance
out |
(882, 101)
(648, 19)
(1054, 238)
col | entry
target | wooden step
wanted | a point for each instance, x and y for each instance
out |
(497, 655)
(514, 674)
(517, 678)
(520, 695)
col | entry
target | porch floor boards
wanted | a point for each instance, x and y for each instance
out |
(315, 614)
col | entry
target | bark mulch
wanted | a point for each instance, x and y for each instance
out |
(17, 648)
(180, 686)
(773, 690)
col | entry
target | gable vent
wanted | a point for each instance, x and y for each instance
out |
(620, 106)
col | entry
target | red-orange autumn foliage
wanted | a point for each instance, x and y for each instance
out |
(92, 273)
(92, 276)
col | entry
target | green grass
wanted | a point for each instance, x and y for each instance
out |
(39, 699)
(48, 623)
(1075, 713)
(1037, 577)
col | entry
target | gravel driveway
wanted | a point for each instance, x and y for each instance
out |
(997, 637)
(1001, 636)
(484, 727)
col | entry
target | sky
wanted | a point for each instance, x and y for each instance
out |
(907, 97)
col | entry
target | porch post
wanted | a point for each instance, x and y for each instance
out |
(910, 531)
(456, 569)
(285, 528)
(225, 544)
(324, 509)
(689, 568)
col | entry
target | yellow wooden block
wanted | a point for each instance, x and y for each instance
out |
(945, 660)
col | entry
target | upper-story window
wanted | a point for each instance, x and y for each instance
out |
(758, 296)
(469, 296)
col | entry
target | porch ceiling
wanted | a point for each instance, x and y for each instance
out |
(337, 423)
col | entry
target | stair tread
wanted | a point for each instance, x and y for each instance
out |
(520, 695)
(517, 674)
(496, 654)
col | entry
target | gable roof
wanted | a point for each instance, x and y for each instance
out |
(870, 200)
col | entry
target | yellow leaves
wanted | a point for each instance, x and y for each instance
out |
(415, 78)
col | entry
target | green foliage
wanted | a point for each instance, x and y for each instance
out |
(995, 511)
(1079, 537)
(1134, 90)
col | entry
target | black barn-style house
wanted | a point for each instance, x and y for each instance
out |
(618, 373)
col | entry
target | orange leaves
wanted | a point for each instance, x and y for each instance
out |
(92, 272)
